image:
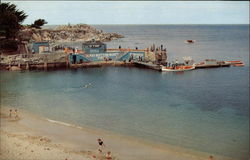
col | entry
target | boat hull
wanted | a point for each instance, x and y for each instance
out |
(177, 69)
(236, 63)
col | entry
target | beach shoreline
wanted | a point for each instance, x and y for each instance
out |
(68, 141)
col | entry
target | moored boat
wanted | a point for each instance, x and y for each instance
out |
(239, 65)
(177, 68)
(236, 63)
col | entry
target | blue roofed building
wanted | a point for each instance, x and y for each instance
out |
(40, 47)
(94, 47)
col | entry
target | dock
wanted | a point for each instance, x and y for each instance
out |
(212, 63)
(147, 65)
(200, 66)
(101, 64)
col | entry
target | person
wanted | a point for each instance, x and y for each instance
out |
(16, 115)
(101, 144)
(108, 155)
(211, 157)
(10, 113)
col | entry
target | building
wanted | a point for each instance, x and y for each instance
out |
(93, 47)
(97, 51)
(40, 47)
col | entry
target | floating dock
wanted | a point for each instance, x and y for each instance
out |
(212, 63)
(199, 66)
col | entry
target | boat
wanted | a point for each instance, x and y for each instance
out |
(180, 68)
(236, 63)
(239, 65)
(190, 41)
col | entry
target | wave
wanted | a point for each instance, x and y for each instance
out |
(63, 123)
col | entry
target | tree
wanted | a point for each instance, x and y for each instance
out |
(38, 23)
(10, 20)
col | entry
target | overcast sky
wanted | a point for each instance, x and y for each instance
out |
(136, 12)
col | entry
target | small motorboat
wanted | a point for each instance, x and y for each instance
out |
(239, 65)
(236, 63)
(177, 68)
(190, 41)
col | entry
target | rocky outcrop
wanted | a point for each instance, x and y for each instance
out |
(14, 68)
(16, 60)
(67, 33)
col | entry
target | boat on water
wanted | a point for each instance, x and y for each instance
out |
(190, 41)
(180, 68)
(236, 63)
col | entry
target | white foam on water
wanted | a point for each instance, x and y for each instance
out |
(63, 123)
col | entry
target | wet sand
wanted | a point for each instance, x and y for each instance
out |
(33, 137)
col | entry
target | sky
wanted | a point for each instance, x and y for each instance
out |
(136, 12)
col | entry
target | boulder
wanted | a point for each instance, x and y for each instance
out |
(14, 68)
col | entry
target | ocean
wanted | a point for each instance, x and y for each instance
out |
(205, 110)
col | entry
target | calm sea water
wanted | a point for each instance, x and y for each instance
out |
(205, 110)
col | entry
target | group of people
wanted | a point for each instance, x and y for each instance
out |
(108, 155)
(101, 144)
(13, 114)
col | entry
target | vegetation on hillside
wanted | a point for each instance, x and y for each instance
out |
(38, 23)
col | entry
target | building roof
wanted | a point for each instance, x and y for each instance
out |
(93, 42)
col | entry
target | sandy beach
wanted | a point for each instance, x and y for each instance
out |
(33, 137)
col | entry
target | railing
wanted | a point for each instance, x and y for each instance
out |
(126, 50)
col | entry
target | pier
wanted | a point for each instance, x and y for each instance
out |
(96, 54)
(147, 65)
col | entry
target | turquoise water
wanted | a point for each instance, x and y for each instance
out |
(206, 110)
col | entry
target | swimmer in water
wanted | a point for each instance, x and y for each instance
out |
(87, 85)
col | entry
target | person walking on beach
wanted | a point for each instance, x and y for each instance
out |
(108, 156)
(101, 144)
(10, 113)
(16, 115)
